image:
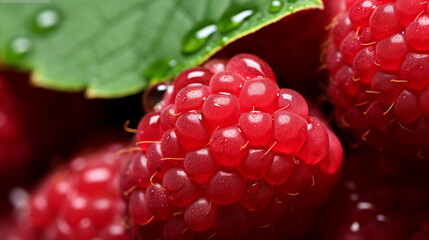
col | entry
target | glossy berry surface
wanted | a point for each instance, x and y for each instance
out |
(228, 154)
(80, 201)
(379, 72)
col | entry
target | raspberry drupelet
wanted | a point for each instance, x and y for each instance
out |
(379, 65)
(80, 201)
(227, 154)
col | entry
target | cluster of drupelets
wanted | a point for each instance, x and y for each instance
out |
(379, 65)
(228, 154)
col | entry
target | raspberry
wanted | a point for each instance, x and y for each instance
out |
(389, 202)
(379, 67)
(77, 202)
(229, 156)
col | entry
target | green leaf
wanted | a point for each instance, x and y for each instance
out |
(114, 48)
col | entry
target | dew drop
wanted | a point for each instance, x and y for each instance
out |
(233, 19)
(160, 69)
(275, 6)
(46, 20)
(18, 48)
(197, 38)
(153, 96)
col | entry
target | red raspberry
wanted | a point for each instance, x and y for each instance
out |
(379, 66)
(79, 202)
(229, 154)
(388, 202)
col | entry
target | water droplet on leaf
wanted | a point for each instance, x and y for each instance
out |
(197, 38)
(275, 6)
(46, 20)
(18, 48)
(153, 95)
(160, 69)
(233, 19)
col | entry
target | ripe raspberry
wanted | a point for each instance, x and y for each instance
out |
(379, 66)
(79, 202)
(227, 153)
(388, 202)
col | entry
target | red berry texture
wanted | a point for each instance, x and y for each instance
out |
(80, 201)
(379, 73)
(227, 154)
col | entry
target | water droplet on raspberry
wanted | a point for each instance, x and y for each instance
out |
(226, 187)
